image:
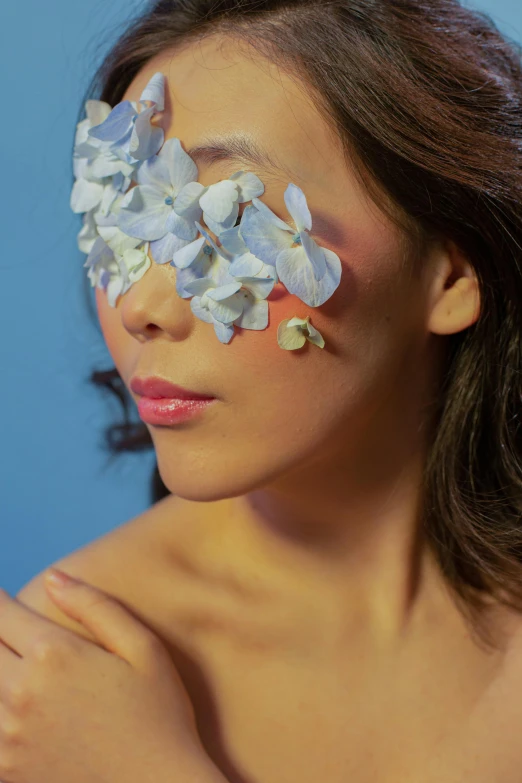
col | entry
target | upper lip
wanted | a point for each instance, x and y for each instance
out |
(158, 387)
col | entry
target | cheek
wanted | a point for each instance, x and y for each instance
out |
(116, 337)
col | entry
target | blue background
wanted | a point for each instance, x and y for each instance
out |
(56, 490)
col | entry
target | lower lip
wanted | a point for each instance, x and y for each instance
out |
(170, 411)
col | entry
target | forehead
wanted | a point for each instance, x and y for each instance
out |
(218, 88)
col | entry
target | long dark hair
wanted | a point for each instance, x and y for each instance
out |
(426, 97)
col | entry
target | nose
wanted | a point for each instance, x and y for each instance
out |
(152, 307)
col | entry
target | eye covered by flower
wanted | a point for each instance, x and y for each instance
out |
(228, 283)
(127, 128)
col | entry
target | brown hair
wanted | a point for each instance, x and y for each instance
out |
(426, 97)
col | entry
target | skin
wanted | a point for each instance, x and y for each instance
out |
(322, 450)
(309, 466)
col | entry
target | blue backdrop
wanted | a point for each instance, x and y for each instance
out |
(56, 490)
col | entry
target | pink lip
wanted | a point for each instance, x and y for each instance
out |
(166, 403)
(156, 388)
(170, 410)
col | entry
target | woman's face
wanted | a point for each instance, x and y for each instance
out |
(278, 410)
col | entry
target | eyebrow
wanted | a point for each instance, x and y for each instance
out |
(236, 147)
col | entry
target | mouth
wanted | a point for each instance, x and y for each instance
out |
(164, 403)
(158, 388)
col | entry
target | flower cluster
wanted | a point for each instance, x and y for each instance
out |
(227, 280)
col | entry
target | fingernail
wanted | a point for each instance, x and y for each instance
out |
(57, 578)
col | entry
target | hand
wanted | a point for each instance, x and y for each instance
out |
(71, 710)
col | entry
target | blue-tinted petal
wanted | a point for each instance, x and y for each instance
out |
(232, 241)
(183, 228)
(255, 313)
(163, 249)
(117, 123)
(218, 228)
(264, 239)
(249, 185)
(200, 312)
(208, 237)
(315, 254)
(185, 256)
(199, 286)
(224, 332)
(155, 91)
(295, 201)
(181, 166)
(270, 216)
(195, 271)
(245, 265)
(186, 202)
(155, 173)
(219, 199)
(297, 274)
(225, 310)
(260, 287)
(224, 291)
(146, 139)
(143, 213)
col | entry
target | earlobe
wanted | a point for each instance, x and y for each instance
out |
(457, 296)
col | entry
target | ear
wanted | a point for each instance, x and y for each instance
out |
(454, 294)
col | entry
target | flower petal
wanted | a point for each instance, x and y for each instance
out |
(155, 91)
(249, 185)
(270, 216)
(117, 240)
(143, 213)
(291, 337)
(163, 249)
(224, 332)
(255, 313)
(146, 139)
(186, 202)
(224, 291)
(297, 274)
(185, 256)
(225, 225)
(232, 241)
(261, 287)
(262, 237)
(200, 312)
(295, 201)
(315, 254)
(219, 199)
(181, 166)
(97, 112)
(199, 286)
(117, 123)
(315, 337)
(246, 265)
(155, 173)
(226, 310)
(85, 195)
(183, 228)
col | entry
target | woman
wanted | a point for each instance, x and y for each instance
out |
(336, 564)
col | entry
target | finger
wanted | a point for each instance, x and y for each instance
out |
(9, 669)
(20, 625)
(112, 624)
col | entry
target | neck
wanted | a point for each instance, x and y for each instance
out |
(351, 528)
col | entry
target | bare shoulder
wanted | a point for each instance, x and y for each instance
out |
(126, 562)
